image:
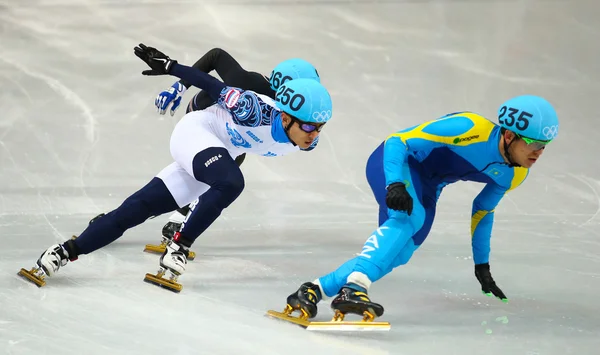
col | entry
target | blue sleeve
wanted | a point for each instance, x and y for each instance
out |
(482, 214)
(394, 155)
(421, 139)
(482, 221)
(193, 76)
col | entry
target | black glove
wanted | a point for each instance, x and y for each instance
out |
(159, 62)
(488, 285)
(397, 198)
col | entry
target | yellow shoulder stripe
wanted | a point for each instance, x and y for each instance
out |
(520, 175)
(480, 132)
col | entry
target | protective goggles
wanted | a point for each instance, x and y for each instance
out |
(534, 143)
(308, 127)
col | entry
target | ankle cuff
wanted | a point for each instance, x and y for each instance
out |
(181, 240)
(71, 249)
(359, 279)
(320, 288)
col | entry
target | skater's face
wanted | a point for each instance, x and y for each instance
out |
(301, 133)
(521, 151)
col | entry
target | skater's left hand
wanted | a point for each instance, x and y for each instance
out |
(397, 198)
(488, 285)
(159, 62)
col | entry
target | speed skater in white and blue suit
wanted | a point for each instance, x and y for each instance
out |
(408, 171)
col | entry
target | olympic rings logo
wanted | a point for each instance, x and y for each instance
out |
(322, 116)
(550, 132)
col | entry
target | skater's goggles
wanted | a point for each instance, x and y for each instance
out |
(308, 127)
(534, 144)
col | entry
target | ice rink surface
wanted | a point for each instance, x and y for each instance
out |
(79, 133)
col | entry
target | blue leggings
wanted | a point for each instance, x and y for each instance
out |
(398, 235)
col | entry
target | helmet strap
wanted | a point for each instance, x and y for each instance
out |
(511, 162)
(286, 129)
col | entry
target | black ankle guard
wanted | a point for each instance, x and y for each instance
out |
(72, 249)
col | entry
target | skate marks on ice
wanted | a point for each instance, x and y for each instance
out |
(119, 318)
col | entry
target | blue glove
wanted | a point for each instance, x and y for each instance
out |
(172, 95)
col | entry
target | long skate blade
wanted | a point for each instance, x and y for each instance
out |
(159, 249)
(164, 283)
(29, 276)
(331, 325)
(289, 318)
(151, 248)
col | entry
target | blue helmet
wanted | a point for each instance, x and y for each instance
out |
(529, 116)
(305, 99)
(291, 69)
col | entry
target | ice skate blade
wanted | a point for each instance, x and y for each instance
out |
(331, 325)
(159, 249)
(164, 283)
(29, 276)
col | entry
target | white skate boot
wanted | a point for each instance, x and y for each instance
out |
(168, 231)
(173, 261)
(48, 264)
(174, 258)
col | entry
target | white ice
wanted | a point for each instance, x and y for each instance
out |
(79, 133)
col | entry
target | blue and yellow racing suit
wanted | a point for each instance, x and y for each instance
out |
(427, 157)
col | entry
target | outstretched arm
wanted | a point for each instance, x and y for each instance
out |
(210, 84)
(219, 60)
(161, 64)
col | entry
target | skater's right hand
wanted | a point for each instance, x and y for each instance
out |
(171, 95)
(397, 198)
(488, 285)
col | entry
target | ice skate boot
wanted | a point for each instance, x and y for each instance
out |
(354, 299)
(168, 231)
(348, 301)
(305, 300)
(49, 263)
(172, 262)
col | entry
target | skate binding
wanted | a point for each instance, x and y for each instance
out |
(36, 275)
(50, 262)
(173, 261)
(167, 235)
(166, 283)
(159, 249)
(355, 302)
(304, 300)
